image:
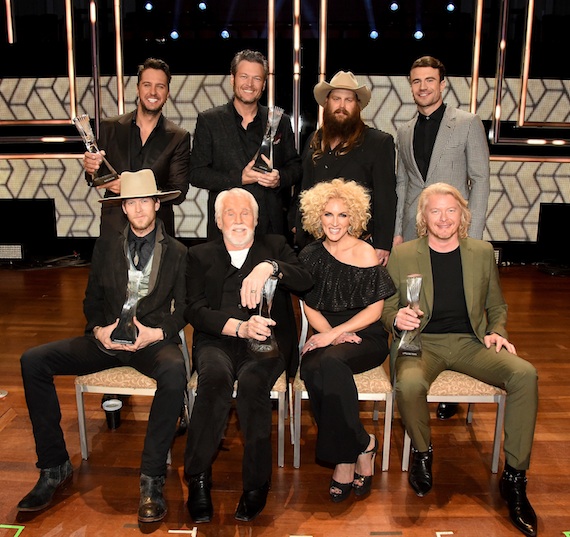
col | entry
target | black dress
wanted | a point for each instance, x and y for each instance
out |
(341, 291)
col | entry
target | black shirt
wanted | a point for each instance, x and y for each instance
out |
(251, 136)
(449, 308)
(425, 133)
(141, 248)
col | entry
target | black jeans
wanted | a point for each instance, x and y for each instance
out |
(328, 376)
(219, 363)
(83, 355)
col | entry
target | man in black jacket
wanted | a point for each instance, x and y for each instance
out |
(225, 279)
(141, 139)
(225, 143)
(144, 264)
(345, 147)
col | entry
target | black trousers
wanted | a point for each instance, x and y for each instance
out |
(83, 355)
(328, 376)
(219, 363)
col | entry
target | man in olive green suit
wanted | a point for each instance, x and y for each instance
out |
(461, 317)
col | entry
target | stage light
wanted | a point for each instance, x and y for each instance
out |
(225, 34)
(174, 34)
(394, 6)
(373, 34)
(202, 6)
(148, 6)
(450, 7)
(418, 35)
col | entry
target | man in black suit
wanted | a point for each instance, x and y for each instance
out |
(225, 278)
(225, 143)
(145, 260)
(143, 139)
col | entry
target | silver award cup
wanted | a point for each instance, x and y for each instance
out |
(126, 331)
(269, 347)
(83, 125)
(410, 344)
(265, 165)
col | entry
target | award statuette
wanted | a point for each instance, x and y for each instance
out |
(83, 125)
(266, 148)
(269, 347)
(411, 344)
(126, 331)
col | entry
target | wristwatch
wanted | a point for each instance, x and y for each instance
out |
(274, 265)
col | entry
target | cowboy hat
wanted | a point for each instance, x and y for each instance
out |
(141, 184)
(342, 80)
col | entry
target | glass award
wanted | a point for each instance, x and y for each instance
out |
(265, 165)
(410, 344)
(268, 347)
(83, 125)
(126, 331)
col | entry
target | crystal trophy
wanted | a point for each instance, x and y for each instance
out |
(410, 344)
(266, 148)
(268, 347)
(83, 125)
(126, 331)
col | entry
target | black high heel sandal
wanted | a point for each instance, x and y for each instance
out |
(363, 483)
(344, 493)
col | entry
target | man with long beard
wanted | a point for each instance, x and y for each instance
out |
(345, 147)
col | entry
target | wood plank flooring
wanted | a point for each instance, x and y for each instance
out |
(38, 306)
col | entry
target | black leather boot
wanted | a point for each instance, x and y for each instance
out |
(252, 503)
(420, 477)
(446, 410)
(51, 479)
(513, 491)
(199, 499)
(152, 505)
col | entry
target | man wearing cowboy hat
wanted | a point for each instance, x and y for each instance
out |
(146, 259)
(345, 147)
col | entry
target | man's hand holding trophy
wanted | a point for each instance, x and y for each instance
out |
(83, 125)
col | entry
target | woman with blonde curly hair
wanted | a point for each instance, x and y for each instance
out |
(343, 309)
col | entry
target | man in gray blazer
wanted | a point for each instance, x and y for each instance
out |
(440, 144)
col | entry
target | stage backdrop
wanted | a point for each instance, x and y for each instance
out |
(517, 187)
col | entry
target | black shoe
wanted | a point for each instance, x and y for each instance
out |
(252, 503)
(339, 491)
(51, 479)
(420, 477)
(152, 506)
(446, 410)
(363, 483)
(199, 499)
(513, 491)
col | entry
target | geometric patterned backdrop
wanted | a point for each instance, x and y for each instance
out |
(517, 188)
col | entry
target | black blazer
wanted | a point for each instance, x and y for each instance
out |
(218, 159)
(169, 160)
(206, 269)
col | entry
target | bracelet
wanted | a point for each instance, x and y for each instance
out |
(238, 327)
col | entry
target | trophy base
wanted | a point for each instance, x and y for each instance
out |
(103, 180)
(262, 168)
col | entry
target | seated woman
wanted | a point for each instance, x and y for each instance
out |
(344, 309)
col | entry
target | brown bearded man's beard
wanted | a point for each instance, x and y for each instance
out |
(340, 128)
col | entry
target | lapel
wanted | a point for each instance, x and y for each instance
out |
(231, 135)
(123, 140)
(424, 268)
(442, 140)
(407, 148)
(216, 272)
(467, 264)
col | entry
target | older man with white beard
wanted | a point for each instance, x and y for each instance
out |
(225, 278)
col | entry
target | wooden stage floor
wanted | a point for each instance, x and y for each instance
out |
(37, 306)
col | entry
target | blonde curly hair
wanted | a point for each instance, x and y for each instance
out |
(355, 197)
(442, 188)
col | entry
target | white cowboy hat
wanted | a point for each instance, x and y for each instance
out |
(141, 184)
(342, 80)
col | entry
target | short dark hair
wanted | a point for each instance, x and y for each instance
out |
(154, 63)
(249, 56)
(430, 61)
